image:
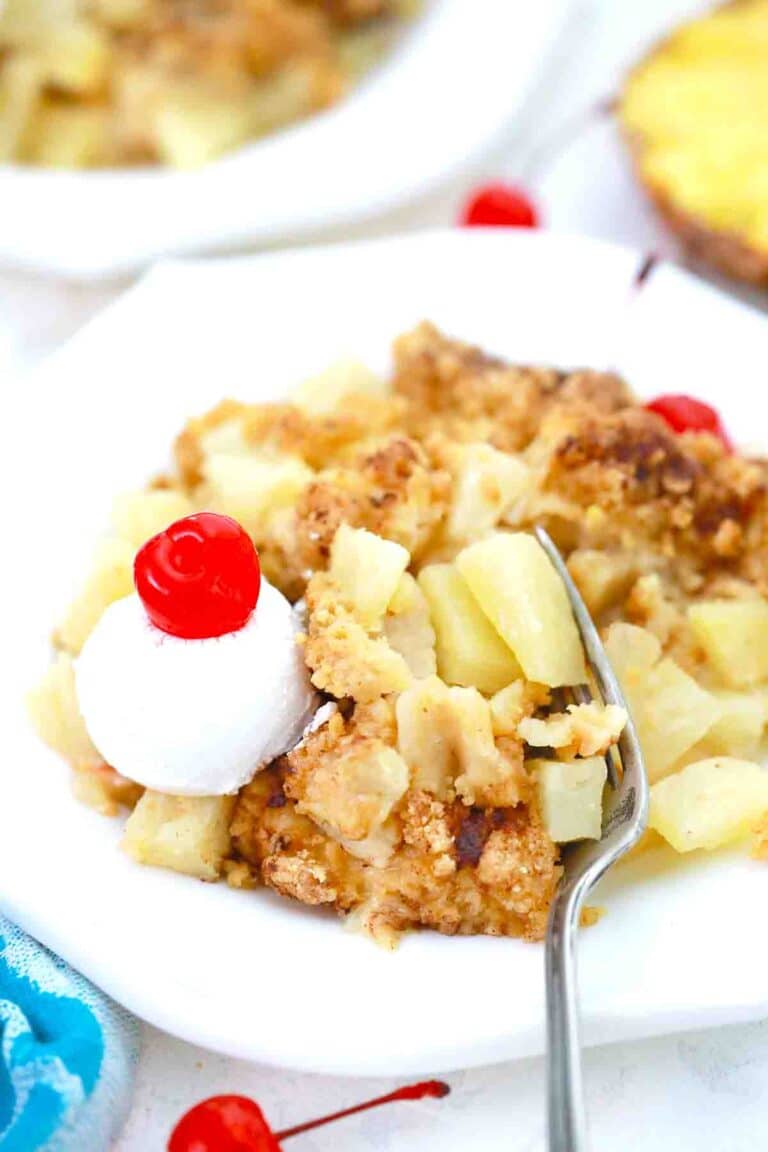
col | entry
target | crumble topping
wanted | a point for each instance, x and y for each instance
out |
(417, 802)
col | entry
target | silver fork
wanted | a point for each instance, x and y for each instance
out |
(624, 820)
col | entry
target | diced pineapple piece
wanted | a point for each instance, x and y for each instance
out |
(378, 847)
(367, 570)
(670, 710)
(515, 584)
(601, 577)
(193, 125)
(633, 652)
(111, 578)
(20, 86)
(423, 736)
(739, 730)
(322, 394)
(29, 22)
(76, 57)
(252, 489)
(122, 14)
(486, 482)
(446, 737)
(188, 834)
(408, 627)
(571, 797)
(672, 713)
(734, 636)
(137, 516)
(508, 707)
(99, 787)
(470, 652)
(353, 795)
(484, 775)
(55, 713)
(68, 136)
(709, 803)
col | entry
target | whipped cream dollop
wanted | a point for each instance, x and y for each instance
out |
(194, 717)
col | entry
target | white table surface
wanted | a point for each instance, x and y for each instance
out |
(694, 1093)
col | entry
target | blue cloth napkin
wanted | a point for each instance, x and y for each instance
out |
(67, 1054)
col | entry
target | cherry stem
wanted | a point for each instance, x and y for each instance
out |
(429, 1088)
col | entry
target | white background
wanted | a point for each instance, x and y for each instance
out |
(702, 1092)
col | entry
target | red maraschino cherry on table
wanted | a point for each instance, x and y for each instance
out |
(237, 1123)
(687, 414)
(200, 577)
(499, 205)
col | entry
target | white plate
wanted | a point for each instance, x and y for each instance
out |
(248, 973)
(438, 100)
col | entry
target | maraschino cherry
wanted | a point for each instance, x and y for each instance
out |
(200, 577)
(686, 414)
(237, 1124)
(499, 206)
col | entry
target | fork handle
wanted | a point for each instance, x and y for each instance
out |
(565, 1094)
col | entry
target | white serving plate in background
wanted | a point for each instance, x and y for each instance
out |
(247, 973)
(437, 100)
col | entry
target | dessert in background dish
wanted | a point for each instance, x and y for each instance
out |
(452, 762)
(693, 114)
(95, 83)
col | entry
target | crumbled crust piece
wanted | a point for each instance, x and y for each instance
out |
(345, 660)
(582, 730)
(346, 779)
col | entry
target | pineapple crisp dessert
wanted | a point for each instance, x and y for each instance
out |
(326, 655)
(104, 83)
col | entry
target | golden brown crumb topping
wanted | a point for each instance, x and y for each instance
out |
(417, 803)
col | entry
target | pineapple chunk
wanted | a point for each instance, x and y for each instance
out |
(137, 516)
(367, 570)
(469, 650)
(76, 57)
(709, 803)
(484, 775)
(55, 713)
(601, 577)
(99, 787)
(446, 737)
(29, 22)
(193, 125)
(122, 14)
(321, 395)
(352, 796)
(486, 483)
(734, 636)
(253, 488)
(68, 136)
(671, 711)
(20, 86)
(515, 584)
(508, 707)
(571, 797)
(111, 579)
(423, 737)
(408, 628)
(633, 652)
(188, 834)
(739, 730)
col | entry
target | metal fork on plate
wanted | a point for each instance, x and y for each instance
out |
(624, 819)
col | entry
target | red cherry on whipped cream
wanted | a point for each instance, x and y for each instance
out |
(237, 1124)
(200, 577)
(499, 206)
(686, 414)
